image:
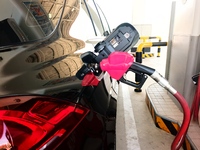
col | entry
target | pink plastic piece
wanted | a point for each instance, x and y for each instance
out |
(117, 64)
(90, 80)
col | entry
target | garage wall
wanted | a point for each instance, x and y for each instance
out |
(155, 13)
(185, 51)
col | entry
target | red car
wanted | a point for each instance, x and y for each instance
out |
(50, 123)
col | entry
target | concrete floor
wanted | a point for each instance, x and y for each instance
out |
(135, 127)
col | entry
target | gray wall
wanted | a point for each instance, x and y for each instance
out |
(185, 48)
(184, 63)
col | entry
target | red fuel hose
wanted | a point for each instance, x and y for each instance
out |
(180, 137)
(196, 102)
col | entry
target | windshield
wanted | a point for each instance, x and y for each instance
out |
(98, 19)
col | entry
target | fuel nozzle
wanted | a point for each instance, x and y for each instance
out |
(121, 39)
